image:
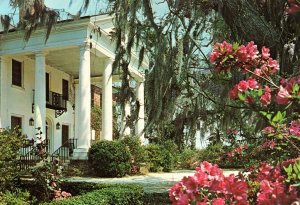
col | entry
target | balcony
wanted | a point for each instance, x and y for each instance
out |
(56, 101)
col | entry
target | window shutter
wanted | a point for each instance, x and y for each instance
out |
(16, 73)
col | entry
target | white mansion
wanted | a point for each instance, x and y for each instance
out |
(48, 85)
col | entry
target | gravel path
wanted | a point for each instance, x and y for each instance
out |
(152, 182)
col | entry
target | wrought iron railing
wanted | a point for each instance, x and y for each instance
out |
(29, 154)
(65, 151)
(55, 101)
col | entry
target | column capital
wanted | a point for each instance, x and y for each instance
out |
(108, 61)
(40, 53)
(3, 59)
(85, 46)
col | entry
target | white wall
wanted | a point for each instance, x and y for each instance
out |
(20, 100)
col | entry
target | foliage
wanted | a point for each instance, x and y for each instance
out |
(114, 194)
(263, 185)
(153, 198)
(263, 91)
(17, 197)
(109, 159)
(77, 168)
(10, 143)
(161, 157)
(211, 153)
(188, 159)
(96, 119)
(292, 169)
(136, 150)
(47, 172)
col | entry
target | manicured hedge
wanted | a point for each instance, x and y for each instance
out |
(156, 198)
(110, 195)
(109, 159)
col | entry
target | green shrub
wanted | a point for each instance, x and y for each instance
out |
(77, 168)
(10, 144)
(188, 159)
(109, 159)
(159, 158)
(17, 197)
(137, 152)
(211, 154)
(110, 195)
(154, 157)
(154, 198)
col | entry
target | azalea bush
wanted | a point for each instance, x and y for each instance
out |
(265, 184)
(276, 99)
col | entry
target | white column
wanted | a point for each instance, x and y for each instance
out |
(84, 95)
(139, 130)
(40, 93)
(3, 92)
(107, 105)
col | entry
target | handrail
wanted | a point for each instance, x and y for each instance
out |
(65, 150)
(31, 158)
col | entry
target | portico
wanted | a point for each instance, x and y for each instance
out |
(72, 54)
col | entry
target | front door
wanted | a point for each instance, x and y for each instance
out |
(65, 135)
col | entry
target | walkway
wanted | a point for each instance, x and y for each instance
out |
(152, 182)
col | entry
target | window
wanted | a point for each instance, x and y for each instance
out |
(65, 89)
(16, 73)
(16, 122)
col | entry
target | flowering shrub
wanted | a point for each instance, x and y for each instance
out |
(277, 100)
(294, 6)
(263, 90)
(209, 179)
(264, 185)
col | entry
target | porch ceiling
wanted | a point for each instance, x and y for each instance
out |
(68, 60)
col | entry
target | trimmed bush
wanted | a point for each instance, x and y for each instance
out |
(137, 152)
(111, 195)
(188, 159)
(159, 158)
(154, 198)
(15, 198)
(212, 153)
(109, 159)
(10, 144)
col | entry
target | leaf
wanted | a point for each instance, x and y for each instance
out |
(235, 46)
(296, 88)
(260, 92)
(279, 117)
(225, 59)
(241, 97)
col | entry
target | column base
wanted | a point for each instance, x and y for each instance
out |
(80, 154)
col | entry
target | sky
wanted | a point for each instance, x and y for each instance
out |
(94, 7)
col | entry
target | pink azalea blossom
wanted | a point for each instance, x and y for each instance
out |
(213, 56)
(252, 83)
(218, 201)
(268, 130)
(295, 128)
(233, 94)
(258, 72)
(294, 6)
(265, 53)
(243, 86)
(265, 99)
(283, 96)
(274, 66)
